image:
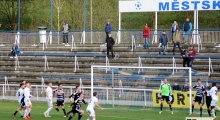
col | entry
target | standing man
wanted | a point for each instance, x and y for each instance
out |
(187, 27)
(174, 27)
(199, 96)
(110, 43)
(191, 55)
(91, 106)
(108, 29)
(27, 101)
(176, 41)
(214, 102)
(49, 99)
(19, 96)
(65, 31)
(163, 40)
(60, 99)
(184, 56)
(165, 90)
(146, 35)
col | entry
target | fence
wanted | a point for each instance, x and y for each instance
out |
(207, 36)
(134, 97)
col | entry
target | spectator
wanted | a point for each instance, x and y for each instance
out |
(163, 40)
(186, 87)
(14, 50)
(187, 27)
(192, 54)
(108, 29)
(65, 31)
(146, 34)
(176, 87)
(176, 41)
(174, 27)
(184, 56)
(110, 43)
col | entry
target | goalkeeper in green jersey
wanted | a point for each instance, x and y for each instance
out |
(166, 91)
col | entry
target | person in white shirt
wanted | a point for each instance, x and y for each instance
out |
(91, 106)
(19, 96)
(214, 102)
(27, 100)
(49, 99)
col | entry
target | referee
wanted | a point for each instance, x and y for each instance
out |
(165, 90)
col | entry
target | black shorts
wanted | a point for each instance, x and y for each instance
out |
(198, 99)
(22, 104)
(208, 101)
(165, 98)
(60, 103)
(76, 110)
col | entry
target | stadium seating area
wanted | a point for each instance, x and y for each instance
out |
(32, 67)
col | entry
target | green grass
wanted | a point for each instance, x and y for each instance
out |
(119, 113)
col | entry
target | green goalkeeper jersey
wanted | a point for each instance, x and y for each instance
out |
(165, 89)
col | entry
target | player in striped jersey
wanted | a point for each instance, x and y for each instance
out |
(208, 100)
(75, 96)
(77, 106)
(19, 96)
(214, 102)
(199, 95)
(60, 99)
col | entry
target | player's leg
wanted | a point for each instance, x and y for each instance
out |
(217, 108)
(14, 114)
(71, 116)
(73, 113)
(92, 114)
(161, 104)
(170, 105)
(64, 111)
(80, 114)
(208, 106)
(193, 103)
(29, 110)
(50, 107)
(201, 102)
(57, 105)
(67, 114)
(213, 104)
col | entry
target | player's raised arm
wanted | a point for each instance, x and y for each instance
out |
(97, 104)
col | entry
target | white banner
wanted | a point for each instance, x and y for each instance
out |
(168, 5)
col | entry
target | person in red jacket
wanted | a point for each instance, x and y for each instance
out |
(192, 54)
(146, 35)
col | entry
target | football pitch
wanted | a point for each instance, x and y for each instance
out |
(118, 113)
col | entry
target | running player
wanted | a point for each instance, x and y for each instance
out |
(77, 107)
(49, 99)
(75, 96)
(214, 102)
(208, 100)
(60, 99)
(27, 101)
(165, 90)
(19, 96)
(91, 106)
(199, 96)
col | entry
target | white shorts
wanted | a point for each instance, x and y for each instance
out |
(214, 103)
(49, 103)
(27, 103)
(90, 112)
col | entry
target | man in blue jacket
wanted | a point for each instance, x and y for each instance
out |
(163, 40)
(187, 27)
(108, 29)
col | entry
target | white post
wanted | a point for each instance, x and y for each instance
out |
(42, 85)
(50, 37)
(145, 98)
(3, 92)
(6, 84)
(91, 22)
(210, 66)
(73, 43)
(155, 32)
(37, 92)
(194, 31)
(119, 27)
(139, 65)
(132, 43)
(197, 26)
(190, 91)
(107, 63)
(84, 37)
(18, 38)
(81, 85)
(17, 65)
(43, 46)
(91, 81)
(173, 65)
(76, 64)
(107, 96)
(46, 66)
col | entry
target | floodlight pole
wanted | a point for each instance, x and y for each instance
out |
(51, 14)
(19, 5)
(91, 20)
(84, 25)
(155, 27)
